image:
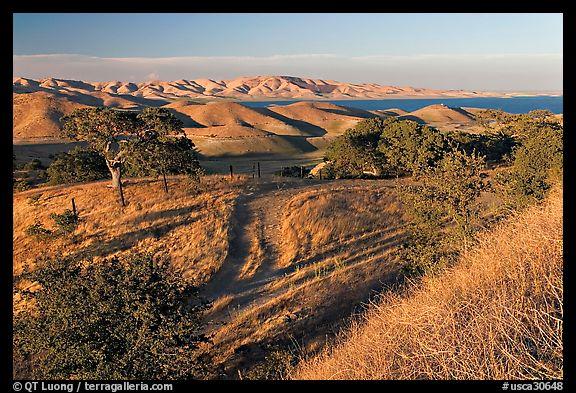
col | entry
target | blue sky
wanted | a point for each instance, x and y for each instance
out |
(472, 51)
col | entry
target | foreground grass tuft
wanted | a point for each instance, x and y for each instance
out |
(495, 315)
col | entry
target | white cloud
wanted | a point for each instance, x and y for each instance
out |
(466, 71)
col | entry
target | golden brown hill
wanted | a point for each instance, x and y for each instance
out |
(251, 87)
(37, 115)
(218, 114)
(332, 118)
(434, 114)
(495, 315)
(390, 112)
(226, 131)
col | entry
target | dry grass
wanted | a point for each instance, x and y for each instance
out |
(496, 315)
(189, 226)
(349, 258)
(316, 219)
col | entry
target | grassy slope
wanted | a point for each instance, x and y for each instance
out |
(190, 227)
(310, 293)
(496, 315)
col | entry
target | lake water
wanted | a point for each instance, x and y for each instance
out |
(510, 105)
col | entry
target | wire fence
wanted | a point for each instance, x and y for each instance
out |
(254, 168)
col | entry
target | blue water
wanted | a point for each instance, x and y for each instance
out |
(510, 105)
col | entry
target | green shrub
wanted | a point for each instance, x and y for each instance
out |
(38, 231)
(443, 211)
(356, 151)
(495, 146)
(169, 155)
(78, 165)
(115, 319)
(21, 185)
(386, 148)
(536, 163)
(409, 147)
(35, 164)
(33, 200)
(65, 222)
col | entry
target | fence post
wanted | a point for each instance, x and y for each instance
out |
(253, 170)
(231, 172)
(74, 210)
(320, 174)
(282, 172)
(301, 172)
(258, 169)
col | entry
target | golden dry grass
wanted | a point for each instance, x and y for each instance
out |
(316, 219)
(189, 226)
(348, 256)
(496, 315)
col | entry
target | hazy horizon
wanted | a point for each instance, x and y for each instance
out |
(485, 52)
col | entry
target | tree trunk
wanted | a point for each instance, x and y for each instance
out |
(165, 182)
(114, 169)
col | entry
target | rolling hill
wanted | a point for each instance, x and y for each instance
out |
(37, 115)
(244, 88)
(220, 127)
(440, 114)
(329, 117)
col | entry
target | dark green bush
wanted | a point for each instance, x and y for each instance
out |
(409, 147)
(443, 211)
(37, 231)
(495, 146)
(168, 155)
(537, 162)
(21, 185)
(35, 164)
(356, 151)
(115, 319)
(388, 147)
(33, 200)
(65, 222)
(78, 165)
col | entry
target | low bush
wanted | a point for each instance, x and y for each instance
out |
(21, 185)
(38, 231)
(115, 319)
(277, 365)
(537, 162)
(33, 165)
(443, 211)
(66, 222)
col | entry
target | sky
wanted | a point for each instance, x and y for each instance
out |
(446, 51)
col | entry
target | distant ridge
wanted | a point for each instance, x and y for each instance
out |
(243, 88)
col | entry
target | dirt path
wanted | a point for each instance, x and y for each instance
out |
(254, 248)
(253, 259)
(259, 301)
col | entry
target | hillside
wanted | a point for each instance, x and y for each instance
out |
(37, 115)
(495, 315)
(230, 114)
(442, 116)
(106, 229)
(256, 87)
(246, 240)
(329, 117)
